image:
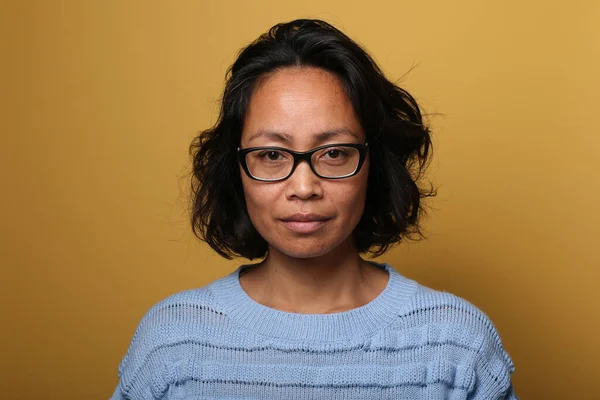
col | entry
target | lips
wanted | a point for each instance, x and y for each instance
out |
(304, 223)
(299, 217)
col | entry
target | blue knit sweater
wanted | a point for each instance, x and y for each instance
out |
(410, 342)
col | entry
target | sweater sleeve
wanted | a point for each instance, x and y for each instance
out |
(129, 364)
(140, 366)
(117, 395)
(493, 367)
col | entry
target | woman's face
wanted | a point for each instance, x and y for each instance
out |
(301, 108)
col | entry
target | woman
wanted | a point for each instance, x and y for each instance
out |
(314, 160)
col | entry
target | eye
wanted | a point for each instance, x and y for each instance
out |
(271, 155)
(334, 153)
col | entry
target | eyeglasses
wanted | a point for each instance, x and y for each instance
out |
(332, 161)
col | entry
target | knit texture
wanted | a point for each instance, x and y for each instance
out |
(410, 342)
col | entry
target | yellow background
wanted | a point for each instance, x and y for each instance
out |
(100, 100)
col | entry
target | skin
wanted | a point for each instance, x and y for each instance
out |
(318, 272)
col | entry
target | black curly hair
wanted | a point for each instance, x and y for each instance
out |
(400, 143)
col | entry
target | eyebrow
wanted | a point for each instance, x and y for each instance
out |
(318, 138)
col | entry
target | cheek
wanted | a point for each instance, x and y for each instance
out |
(354, 195)
(259, 199)
(348, 198)
(352, 201)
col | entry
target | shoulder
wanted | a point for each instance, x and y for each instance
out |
(198, 299)
(176, 312)
(443, 307)
(454, 325)
(425, 306)
(173, 320)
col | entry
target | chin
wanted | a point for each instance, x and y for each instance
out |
(305, 248)
(306, 254)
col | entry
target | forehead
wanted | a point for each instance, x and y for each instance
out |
(300, 106)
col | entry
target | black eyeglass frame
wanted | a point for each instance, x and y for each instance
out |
(304, 156)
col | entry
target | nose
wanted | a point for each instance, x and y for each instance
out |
(303, 184)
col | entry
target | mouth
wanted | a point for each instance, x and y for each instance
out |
(304, 226)
(305, 223)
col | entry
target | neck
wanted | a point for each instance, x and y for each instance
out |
(338, 281)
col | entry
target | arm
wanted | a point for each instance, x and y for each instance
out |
(493, 368)
(134, 363)
(118, 395)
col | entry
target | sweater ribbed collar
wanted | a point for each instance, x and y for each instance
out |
(358, 322)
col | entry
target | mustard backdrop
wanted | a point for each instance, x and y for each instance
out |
(100, 100)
